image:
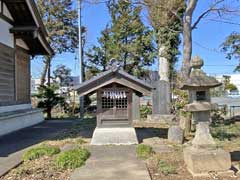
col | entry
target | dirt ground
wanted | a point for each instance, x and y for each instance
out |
(175, 159)
(44, 169)
(40, 169)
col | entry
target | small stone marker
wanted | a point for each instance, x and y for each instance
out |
(175, 134)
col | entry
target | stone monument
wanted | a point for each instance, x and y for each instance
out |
(202, 156)
(161, 96)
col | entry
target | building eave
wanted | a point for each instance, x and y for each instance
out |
(32, 23)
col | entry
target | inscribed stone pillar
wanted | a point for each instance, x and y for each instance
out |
(161, 98)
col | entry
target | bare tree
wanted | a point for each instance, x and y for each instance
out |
(217, 7)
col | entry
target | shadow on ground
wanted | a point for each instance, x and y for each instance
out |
(27, 137)
(235, 155)
(60, 130)
(83, 128)
(145, 133)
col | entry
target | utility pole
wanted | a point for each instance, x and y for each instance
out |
(81, 100)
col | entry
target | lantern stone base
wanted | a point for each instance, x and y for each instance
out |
(200, 162)
(114, 136)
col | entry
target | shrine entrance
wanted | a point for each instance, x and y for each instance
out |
(114, 107)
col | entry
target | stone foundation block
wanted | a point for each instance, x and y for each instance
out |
(15, 120)
(114, 136)
(202, 161)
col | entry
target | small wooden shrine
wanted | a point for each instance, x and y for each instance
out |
(115, 89)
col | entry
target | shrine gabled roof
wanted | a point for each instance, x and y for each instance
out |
(114, 76)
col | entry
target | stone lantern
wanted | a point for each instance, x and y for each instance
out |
(202, 156)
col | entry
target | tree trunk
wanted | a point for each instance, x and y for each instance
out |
(49, 113)
(49, 74)
(163, 65)
(45, 70)
(187, 38)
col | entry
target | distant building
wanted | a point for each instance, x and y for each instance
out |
(234, 79)
(64, 88)
(35, 83)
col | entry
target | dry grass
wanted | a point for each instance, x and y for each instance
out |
(40, 169)
(44, 169)
(175, 168)
(174, 160)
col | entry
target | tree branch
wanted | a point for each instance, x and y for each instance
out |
(205, 13)
(226, 22)
(200, 17)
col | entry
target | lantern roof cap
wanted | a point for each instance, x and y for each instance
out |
(198, 78)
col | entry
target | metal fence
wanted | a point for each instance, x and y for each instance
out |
(231, 105)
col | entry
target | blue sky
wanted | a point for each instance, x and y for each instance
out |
(206, 40)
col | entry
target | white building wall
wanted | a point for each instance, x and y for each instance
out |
(5, 36)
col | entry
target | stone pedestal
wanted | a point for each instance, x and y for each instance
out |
(201, 161)
(114, 136)
(203, 156)
(203, 138)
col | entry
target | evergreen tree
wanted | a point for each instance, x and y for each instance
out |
(231, 47)
(126, 39)
(62, 73)
(60, 19)
(98, 56)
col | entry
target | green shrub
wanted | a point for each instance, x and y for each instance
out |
(165, 168)
(72, 159)
(40, 151)
(181, 99)
(225, 132)
(144, 151)
(48, 98)
(145, 110)
(217, 116)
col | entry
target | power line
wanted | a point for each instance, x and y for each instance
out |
(232, 65)
(207, 48)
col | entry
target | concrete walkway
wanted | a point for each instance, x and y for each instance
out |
(112, 163)
(13, 145)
